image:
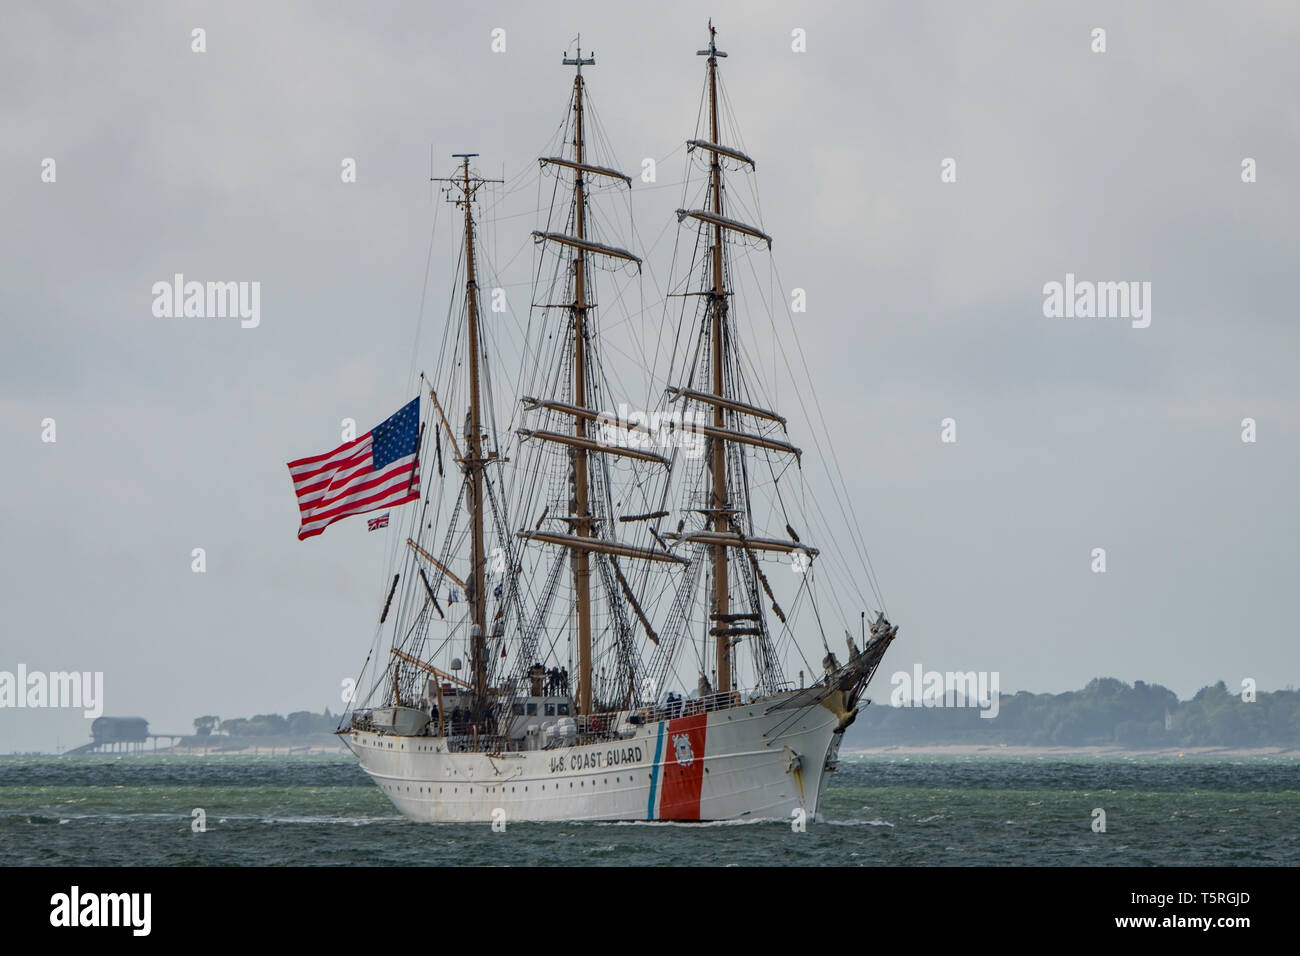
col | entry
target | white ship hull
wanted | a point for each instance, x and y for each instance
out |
(744, 762)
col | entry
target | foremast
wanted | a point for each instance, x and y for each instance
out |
(718, 310)
(725, 500)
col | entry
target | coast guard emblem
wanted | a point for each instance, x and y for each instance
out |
(682, 744)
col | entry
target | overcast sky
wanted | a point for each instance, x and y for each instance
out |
(925, 302)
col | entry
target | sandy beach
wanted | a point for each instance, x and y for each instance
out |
(256, 746)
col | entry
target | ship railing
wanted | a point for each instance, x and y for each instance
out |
(460, 735)
(464, 735)
(361, 720)
(688, 707)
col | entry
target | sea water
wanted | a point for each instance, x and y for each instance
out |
(879, 811)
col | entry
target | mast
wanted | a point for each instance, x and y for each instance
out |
(582, 514)
(474, 460)
(718, 309)
(586, 510)
(738, 429)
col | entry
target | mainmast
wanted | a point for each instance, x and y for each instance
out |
(589, 530)
(474, 460)
(718, 309)
(582, 513)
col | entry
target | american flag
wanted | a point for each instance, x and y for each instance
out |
(374, 524)
(377, 470)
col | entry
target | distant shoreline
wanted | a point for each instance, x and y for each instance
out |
(315, 746)
(252, 750)
(1018, 750)
(220, 746)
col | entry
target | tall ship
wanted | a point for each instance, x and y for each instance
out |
(597, 613)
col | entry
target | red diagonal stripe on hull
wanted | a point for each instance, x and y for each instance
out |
(683, 768)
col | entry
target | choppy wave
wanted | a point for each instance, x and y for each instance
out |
(878, 811)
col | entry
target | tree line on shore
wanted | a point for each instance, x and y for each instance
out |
(1105, 712)
(298, 724)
